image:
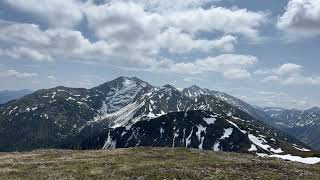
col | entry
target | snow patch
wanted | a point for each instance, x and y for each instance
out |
(216, 146)
(161, 132)
(300, 149)
(122, 134)
(109, 143)
(235, 125)
(54, 94)
(253, 148)
(307, 160)
(227, 133)
(200, 129)
(209, 120)
(277, 151)
(70, 98)
(259, 141)
(188, 140)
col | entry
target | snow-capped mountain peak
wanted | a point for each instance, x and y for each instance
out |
(195, 91)
(119, 103)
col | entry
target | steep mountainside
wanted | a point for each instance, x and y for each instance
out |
(304, 125)
(45, 118)
(64, 117)
(6, 96)
(196, 129)
(294, 118)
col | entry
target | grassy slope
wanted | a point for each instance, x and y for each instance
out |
(148, 163)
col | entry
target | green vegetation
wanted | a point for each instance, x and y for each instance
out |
(148, 163)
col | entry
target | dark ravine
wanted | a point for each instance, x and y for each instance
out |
(79, 118)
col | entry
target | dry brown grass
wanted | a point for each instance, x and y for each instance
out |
(148, 163)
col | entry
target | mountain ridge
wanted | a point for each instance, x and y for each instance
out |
(64, 117)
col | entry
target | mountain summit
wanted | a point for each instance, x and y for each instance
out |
(128, 112)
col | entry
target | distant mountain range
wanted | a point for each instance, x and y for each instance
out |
(303, 124)
(128, 112)
(6, 96)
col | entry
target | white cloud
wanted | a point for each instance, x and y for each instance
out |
(302, 80)
(12, 33)
(302, 17)
(66, 44)
(232, 66)
(284, 69)
(122, 22)
(288, 74)
(131, 34)
(165, 6)
(289, 68)
(237, 74)
(132, 28)
(25, 53)
(219, 19)
(179, 42)
(14, 73)
(58, 13)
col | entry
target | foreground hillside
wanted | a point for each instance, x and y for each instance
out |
(148, 163)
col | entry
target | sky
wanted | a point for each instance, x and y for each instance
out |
(263, 52)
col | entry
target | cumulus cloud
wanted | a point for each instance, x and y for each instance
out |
(129, 33)
(288, 74)
(164, 6)
(219, 19)
(178, 42)
(187, 15)
(12, 33)
(301, 80)
(231, 66)
(59, 43)
(25, 53)
(124, 22)
(289, 69)
(58, 13)
(302, 17)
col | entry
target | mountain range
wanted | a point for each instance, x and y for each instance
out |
(303, 124)
(129, 112)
